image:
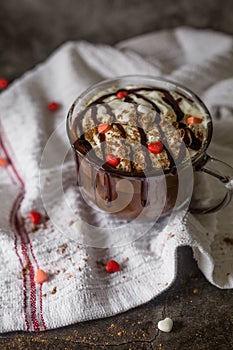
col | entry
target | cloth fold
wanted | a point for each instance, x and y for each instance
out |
(79, 288)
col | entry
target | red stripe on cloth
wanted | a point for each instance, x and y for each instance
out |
(41, 309)
(11, 219)
(37, 265)
(29, 265)
(24, 251)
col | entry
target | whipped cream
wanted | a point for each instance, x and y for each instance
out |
(145, 115)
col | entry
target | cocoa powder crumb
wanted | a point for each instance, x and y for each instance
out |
(100, 263)
(171, 235)
(35, 228)
(79, 268)
(54, 291)
(26, 268)
(195, 291)
(63, 249)
(71, 223)
(228, 240)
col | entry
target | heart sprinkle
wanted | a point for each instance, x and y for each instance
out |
(112, 160)
(155, 147)
(112, 266)
(35, 217)
(165, 325)
(53, 106)
(3, 83)
(40, 276)
(103, 128)
(3, 162)
(194, 120)
(122, 94)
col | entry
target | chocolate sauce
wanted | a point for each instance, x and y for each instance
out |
(158, 118)
(144, 192)
(77, 165)
(121, 129)
(196, 143)
(82, 145)
(189, 138)
(107, 187)
(174, 104)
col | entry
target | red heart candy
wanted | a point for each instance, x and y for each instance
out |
(112, 160)
(35, 217)
(155, 147)
(112, 266)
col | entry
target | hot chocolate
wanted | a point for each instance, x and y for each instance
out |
(147, 135)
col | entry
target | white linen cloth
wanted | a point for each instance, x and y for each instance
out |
(79, 288)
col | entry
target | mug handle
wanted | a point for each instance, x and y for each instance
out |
(224, 173)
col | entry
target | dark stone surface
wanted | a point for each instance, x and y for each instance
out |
(202, 317)
(30, 30)
(202, 314)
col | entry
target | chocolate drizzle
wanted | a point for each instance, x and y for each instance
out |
(152, 104)
(121, 129)
(174, 104)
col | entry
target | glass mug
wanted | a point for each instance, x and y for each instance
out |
(155, 194)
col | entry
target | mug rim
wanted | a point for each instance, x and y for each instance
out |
(176, 87)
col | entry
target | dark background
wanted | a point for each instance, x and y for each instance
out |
(29, 31)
